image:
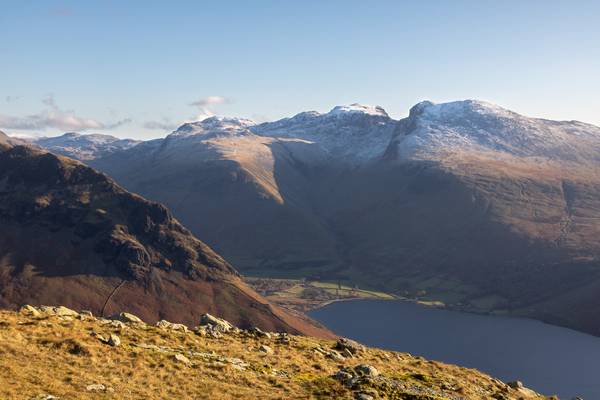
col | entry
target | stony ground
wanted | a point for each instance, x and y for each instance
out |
(54, 352)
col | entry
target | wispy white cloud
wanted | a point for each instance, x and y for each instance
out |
(164, 125)
(206, 106)
(54, 117)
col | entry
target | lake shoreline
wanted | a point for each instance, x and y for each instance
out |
(509, 347)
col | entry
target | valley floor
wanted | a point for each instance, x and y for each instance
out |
(56, 353)
(304, 295)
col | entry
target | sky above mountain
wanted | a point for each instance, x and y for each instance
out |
(139, 69)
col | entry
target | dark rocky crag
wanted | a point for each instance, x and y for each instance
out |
(71, 236)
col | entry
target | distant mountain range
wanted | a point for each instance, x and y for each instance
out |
(84, 147)
(464, 202)
(71, 236)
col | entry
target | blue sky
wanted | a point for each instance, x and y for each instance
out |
(140, 68)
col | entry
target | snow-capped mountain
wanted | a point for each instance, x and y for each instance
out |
(353, 132)
(458, 200)
(84, 146)
(484, 127)
(214, 126)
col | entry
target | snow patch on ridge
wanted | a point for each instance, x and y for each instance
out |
(471, 125)
(214, 126)
(358, 108)
(352, 132)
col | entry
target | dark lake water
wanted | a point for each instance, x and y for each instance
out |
(547, 358)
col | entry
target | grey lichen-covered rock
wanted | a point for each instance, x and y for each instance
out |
(127, 317)
(265, 349)
(114, 340)
(335, 355)
(515, 384)
(60, 311)
(30, 311)
(282, 338)
(180, 358)
(96, 387)
(343, 376)
(260, 333)
(347, 353)
(163, 324)
(366, 370)
(216, 323)
(85, 315)
(351, 346)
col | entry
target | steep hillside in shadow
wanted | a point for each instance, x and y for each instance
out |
(71, 236)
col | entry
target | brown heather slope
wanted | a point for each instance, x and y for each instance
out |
(71, 236)
(65, 357)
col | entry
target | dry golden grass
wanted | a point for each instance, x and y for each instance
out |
(62, 356)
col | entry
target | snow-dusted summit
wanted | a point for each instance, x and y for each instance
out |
(356, 133)
(84, 146)
(214, 126)
(470, 125)
(351, 132)
(356, 108)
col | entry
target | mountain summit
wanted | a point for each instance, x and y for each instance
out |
(84, 147)
(478, 126)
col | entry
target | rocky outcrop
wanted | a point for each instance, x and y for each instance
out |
(238, 364)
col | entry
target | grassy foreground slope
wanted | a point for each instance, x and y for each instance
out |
(57, 353)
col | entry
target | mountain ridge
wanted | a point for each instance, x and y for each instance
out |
(476, 206)
(84, 146)
(72, 236)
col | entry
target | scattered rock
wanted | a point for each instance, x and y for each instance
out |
(44, 397)
(96, 387)
(363, 396)
(335, 355)
(282, 338)
(85, 315)
(63, 311)
(351, 346)
(238, 364)
(99, 337)
(127, 317)
(216, 323)
(208, 331)
(347, 353)
(114, 340)
(343, 376)
(265, 349)
(515, 384)
(366, 370)
(30, 311)
(260, 333)
(180, 358)
(171, 326)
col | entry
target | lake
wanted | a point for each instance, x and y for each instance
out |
(546, 358)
